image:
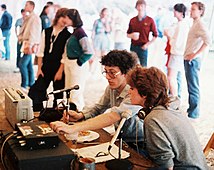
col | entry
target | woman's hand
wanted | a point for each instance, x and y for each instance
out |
(58, 75)
(60, 127)
(39, 72)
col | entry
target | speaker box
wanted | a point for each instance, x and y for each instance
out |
(20, 158)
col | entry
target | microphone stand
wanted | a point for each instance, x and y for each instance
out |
(67, 101)
(119, 163)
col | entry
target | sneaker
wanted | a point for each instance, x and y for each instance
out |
(25, 90)
(16, 70)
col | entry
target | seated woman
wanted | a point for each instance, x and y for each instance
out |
(170, 140)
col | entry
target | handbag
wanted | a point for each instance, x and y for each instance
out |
(51, 114)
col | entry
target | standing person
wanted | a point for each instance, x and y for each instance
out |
(119, 28)
(18, 25)
(100, 33)
(170, 140)
(5, 25)
(2, 50)
(29, 36)
(112, 104)
(197, 41)
(77, 52)
(101, 40)
(139, 30)
(46, 22)
(50, 68)
(177, 36)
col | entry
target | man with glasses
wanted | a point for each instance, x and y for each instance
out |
(113, 103)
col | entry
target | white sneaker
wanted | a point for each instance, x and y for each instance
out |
(16, 70)
(25, 90)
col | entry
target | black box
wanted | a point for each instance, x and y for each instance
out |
(37, 135)
(21, 158)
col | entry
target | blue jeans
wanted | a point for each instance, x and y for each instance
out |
(142, 54)
(19, 45)
(26, 69)
(192, 69)
(179, 82)
(6, 34)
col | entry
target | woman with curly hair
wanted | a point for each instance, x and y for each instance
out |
(170, 140)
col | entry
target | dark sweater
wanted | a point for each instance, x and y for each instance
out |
(6, 21)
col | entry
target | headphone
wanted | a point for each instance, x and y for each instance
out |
(142, 113)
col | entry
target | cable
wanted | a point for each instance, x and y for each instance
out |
(111, 154)
(2, 148)
(35, 117)
(4, 135)
(136, 135)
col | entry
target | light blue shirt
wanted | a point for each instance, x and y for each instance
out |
(119, 103)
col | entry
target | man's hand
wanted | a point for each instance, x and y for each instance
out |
(190, 57)
(145, 46)
(72, 116)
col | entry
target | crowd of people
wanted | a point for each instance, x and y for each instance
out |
(64, 58)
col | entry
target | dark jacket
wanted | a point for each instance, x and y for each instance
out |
(6, 21)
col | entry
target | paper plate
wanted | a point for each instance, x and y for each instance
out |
(92, 136)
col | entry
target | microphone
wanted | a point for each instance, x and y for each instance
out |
(125, 115)
(76, 87)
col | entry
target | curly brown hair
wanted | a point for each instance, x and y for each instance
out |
(150, 82)
(121, 58)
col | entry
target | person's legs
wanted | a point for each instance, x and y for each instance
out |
(172, 77)
(38, 93)
(192, 69)
(179, 83)
(24, 66)
(18, 54)
(30, 72)
(76, 75)
(142, 54)
(6, 34)
(58, 85)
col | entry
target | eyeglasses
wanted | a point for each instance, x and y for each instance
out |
(99, 154)
(111, 74)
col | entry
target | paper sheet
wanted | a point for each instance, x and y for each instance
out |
(92, 151)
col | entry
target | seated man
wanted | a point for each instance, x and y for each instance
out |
(114, 102)
(171, 141)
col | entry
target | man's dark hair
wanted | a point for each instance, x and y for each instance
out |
(22, 10)
(121, 58)
(180, 8)
(3, 6)
(49, 3)
(74, 15)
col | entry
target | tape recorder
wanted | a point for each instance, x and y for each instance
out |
(18, 106)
